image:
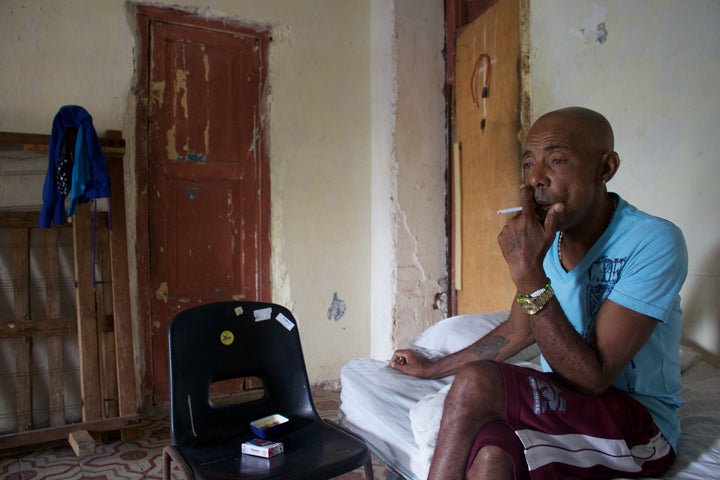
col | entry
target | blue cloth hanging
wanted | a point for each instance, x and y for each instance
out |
(89, 170)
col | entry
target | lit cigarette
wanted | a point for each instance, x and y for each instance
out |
(509, 210)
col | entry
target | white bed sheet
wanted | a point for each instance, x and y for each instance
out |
(376, 402)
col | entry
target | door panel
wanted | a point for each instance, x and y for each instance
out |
(208, 195)
(487, 131)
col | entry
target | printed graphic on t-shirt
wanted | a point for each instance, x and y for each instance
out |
(603, 275)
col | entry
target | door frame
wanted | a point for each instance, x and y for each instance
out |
(145, 15)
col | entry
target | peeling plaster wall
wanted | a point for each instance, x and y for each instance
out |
(357, 197)
(383, 102)
(421, 153)
(651, 66)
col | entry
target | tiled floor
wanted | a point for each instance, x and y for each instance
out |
(138, 459)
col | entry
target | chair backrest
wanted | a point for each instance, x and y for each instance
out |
(225, 340)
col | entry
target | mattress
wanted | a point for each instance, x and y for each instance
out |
(378, 403)
(375, 403)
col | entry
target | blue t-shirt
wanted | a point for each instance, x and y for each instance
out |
(639, 262)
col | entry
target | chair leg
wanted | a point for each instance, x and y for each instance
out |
(167, 460)
(369, 473)
(171, 454)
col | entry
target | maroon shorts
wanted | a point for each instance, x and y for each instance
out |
(553, 432)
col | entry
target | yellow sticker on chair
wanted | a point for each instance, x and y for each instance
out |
(227, 337)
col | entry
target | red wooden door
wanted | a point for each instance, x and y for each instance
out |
(208, 185)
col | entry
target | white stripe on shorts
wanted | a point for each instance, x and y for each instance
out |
(586, 451)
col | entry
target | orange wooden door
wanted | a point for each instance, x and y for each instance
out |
(208, 185)
(487, 134)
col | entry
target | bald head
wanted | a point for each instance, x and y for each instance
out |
(588, 125)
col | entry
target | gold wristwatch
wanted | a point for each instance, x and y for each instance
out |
(536, 301)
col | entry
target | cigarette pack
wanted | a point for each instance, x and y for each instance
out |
(262, 448)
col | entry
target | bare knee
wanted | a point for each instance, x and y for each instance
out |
(491, 463)
(478, 386)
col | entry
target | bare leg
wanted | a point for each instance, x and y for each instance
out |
(477, 396)
(491, 463)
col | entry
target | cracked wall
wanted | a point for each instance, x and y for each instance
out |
(421, 155)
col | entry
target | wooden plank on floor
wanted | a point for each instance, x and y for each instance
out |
(82, 443)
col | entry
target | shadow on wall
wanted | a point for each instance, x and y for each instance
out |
(701, 319)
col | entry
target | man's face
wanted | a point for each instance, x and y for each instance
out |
(561, 164)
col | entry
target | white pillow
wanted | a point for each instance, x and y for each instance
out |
(455, 333)
(688, 357)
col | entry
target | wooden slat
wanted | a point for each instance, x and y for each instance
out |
(52, 274)
(18, 219)
(20, 139)
(106, 338)
(55, 381)
(45, 435)
(23, 345)
(37, 328)
(112, 144)
(85, 301)
(49, 328)
(54, 343)
(127, 402)
(30, 220)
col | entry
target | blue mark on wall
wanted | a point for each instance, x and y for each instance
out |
(191, 193)
(593, 29)
(337, 308)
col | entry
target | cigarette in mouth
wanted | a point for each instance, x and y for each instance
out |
(509, 210)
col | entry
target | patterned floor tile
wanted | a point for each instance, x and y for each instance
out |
(9, 468)
(140, 458)
(47, 466)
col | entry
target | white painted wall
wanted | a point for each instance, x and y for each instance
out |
(656, 79)
(357, 162)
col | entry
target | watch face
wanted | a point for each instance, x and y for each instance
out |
(529, 306)
(533, 305)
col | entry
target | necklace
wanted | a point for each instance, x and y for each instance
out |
(560, 237)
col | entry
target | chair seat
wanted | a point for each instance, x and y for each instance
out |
(306, 456)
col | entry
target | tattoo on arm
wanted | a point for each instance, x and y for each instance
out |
(489, 348)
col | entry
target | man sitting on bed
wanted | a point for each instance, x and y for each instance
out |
(597, 289)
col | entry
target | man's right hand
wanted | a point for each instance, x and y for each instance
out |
(412, 362)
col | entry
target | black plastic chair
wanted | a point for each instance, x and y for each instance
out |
(225, 340)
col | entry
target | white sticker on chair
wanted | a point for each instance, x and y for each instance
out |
(262, 314)
(284, 321)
